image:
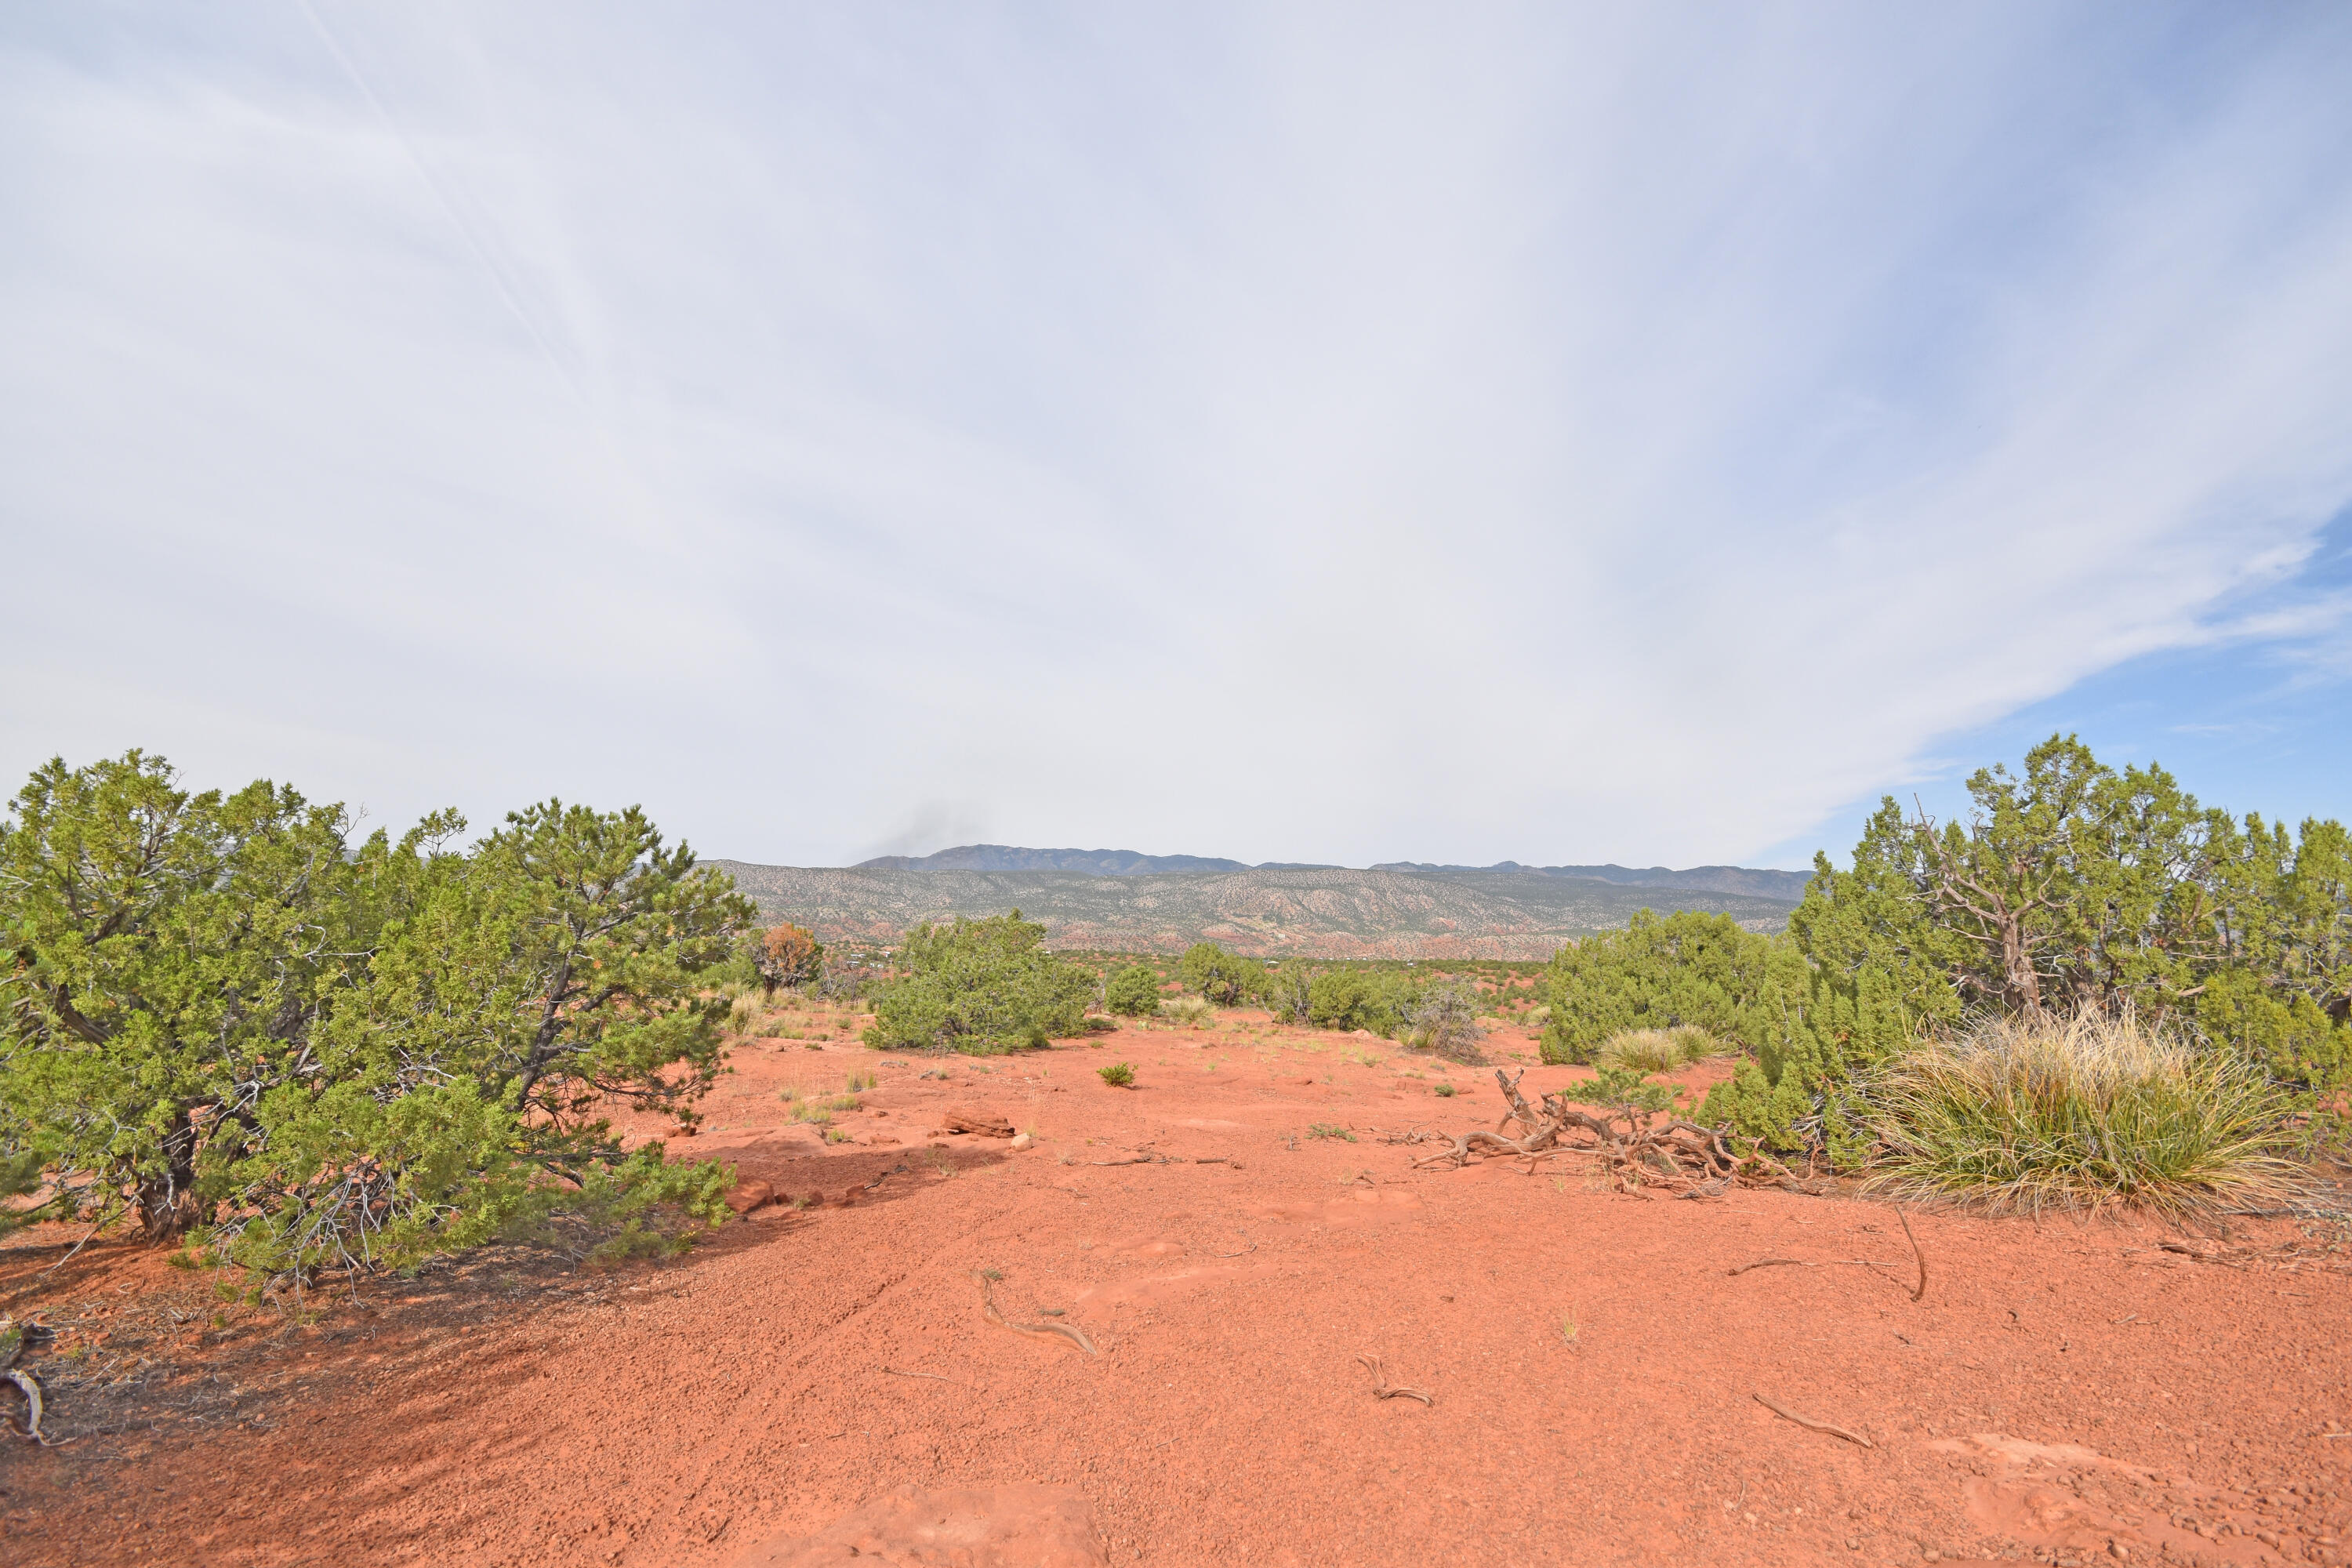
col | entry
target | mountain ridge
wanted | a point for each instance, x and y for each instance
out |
(1753, 881)
(1268, 912)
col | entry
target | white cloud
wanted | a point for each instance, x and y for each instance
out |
(1300, 434)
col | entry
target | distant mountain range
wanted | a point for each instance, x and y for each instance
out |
(1788, 885)
(1125, 901)
(1762, 884)
(1092, 862)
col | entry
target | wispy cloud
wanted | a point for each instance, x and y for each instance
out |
(1281, 433)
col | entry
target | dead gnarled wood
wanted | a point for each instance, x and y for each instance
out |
(1383, 1389)
(12, 1345)
(1916, 1255)
(1785, 1413)
(1636, 1148)
(988, 1305)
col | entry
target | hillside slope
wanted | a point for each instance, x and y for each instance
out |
(1265, 913)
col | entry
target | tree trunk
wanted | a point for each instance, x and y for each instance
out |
(2018, 979)
(166, 1202)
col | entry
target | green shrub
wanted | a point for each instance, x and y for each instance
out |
(1446, 1092)
(1215, 976)
(227, 1024)
(2069, 885)
(1658, 972)
(1330, 1129)
(2039, 1113)
(1118, 1075)
(1339, 999)
(1289, 988)
(980, 987)
(1133, 993)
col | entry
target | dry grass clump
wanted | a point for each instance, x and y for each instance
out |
(2038, 1111)
(1658, 1051)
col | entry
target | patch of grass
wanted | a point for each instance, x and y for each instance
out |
(1568, 1328)
(2043, 1112)
(836, 1135)
(1118, 1075)
(1446, 1092)
(1330, 1129)
(865, 1079)
(1658, 1051)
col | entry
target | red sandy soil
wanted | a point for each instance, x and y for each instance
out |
(824, 1385)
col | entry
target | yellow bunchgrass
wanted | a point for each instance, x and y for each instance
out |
(1659, 1050)
(2040, 1112)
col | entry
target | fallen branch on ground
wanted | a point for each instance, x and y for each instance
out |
(1820, 1263)
(1785, 1413)
(934, 1377)
(1918, 1257)
(1636, 1137)
(1383, 1389)
(988, 1305)
(12, 1345)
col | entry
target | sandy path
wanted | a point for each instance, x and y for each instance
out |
(684, 1414)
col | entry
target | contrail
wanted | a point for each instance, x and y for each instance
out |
(508, 294)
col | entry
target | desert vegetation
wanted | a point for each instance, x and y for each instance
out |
(227, 1024)
(2093, 990)
(980, 987)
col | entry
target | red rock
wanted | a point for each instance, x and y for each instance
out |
(979, 1121)
(750, 1195)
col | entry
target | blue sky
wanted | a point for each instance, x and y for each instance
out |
(1296, 432)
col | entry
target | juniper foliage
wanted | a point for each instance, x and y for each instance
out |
(225, 1023)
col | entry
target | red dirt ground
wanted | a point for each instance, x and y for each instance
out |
(822, 1384)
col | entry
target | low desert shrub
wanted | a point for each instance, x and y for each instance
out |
(1118, 1075)
(1288, 988)
(1215, 976)
(1189, 1011)
(1444, 1020)
(2035, 1111)
(1133, 993)
(980, 987)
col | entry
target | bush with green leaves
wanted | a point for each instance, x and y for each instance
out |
(980, 987)
(1663, 971)
(1210, 972)
(1289, 991)
(2071, 885)
(1132, 992)
(226, 1024)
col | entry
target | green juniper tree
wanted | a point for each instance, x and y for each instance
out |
(979, 986)
(1133, 991)
(1210, 971)
(223, 1022)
